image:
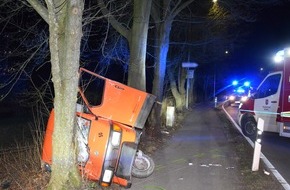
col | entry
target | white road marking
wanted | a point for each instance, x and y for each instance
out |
(278, 176)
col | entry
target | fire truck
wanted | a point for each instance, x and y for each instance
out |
(270, 102)
(110, 119)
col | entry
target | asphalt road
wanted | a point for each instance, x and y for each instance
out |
(196, 157)
(275, 148)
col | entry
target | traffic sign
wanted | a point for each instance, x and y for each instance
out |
(189, 64)
(190, 74)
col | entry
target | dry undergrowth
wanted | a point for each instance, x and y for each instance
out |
(20, 169)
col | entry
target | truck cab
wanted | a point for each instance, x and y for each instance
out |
(110, 117)
(270, 102)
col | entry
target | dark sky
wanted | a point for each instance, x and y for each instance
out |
(269, 34)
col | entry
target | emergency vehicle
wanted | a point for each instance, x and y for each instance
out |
(270, 102)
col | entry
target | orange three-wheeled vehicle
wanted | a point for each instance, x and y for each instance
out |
(110, 119)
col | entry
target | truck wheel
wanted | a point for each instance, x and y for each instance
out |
(249, 127)
(143, 166)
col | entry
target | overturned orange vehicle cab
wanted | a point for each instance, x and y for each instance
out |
(110, 119)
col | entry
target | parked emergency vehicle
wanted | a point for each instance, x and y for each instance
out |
(270, 102)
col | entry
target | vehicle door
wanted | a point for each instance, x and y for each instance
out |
(267, 101)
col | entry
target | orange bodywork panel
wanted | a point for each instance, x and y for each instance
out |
(98, 143)
(100, 130)
(121, 103)
(47, 143)
(106, 133)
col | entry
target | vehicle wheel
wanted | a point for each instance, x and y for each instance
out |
(143, 165)
(249, 127)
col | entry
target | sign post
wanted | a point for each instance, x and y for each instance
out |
(189, 75)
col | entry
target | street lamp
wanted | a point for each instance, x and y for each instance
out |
(214, 1)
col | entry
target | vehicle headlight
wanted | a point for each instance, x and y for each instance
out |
(116, 136)
(244, 98)
(232, 98)
(108, 174)
(111, 158)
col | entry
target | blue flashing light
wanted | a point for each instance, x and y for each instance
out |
(235, 82)
(240, 90)
(247, 83)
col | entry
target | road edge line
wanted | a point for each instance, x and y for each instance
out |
(278, 176)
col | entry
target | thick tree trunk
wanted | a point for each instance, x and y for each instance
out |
(177, 92)
(138, 44)
(162, 45)
(65, 29)
(137, 38)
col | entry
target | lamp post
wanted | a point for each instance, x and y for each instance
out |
(190, 66)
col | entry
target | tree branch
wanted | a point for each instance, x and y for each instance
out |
(155, 13)
(40, 9)
(176, 10)
(111, 19)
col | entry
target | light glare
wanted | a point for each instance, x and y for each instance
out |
(235, 82)
(279, 57)
(247, 83)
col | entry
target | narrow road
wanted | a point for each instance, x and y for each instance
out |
(198, 156)
(274, 147)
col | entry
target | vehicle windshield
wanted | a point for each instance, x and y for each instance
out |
(268, 87)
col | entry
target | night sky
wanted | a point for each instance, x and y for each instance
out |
(269, 34)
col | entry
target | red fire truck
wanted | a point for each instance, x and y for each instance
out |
(270, 102)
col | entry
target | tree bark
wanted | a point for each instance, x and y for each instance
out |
(138, 45)
(178, 92)
(163, 16)
(65, 33)
(137, 38)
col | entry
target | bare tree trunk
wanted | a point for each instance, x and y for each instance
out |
(178, 92)
(65, 28)
(162, 45)
(138, 44)
(137, 38)
(163, 15)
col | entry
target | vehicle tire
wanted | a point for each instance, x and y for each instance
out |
(143, 166)
(249, 127)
